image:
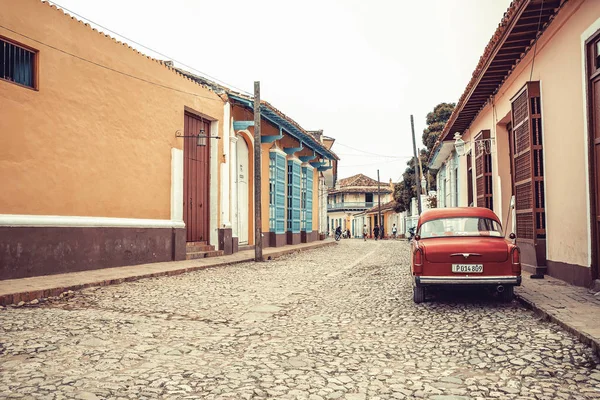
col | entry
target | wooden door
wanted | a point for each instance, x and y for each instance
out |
(594, 147)
(242, 190)
(196, 175)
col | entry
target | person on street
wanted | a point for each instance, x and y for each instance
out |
(376, 232)
(365, 232)
(394, 231)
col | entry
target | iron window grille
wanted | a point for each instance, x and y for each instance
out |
(17, 64)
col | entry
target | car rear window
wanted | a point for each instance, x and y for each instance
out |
(461, 226)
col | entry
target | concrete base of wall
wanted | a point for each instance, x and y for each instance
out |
(533, 257)
(571, 273)
(293, 238)
(226, 241)
(35, 251)
(272, 239)
(307, 237)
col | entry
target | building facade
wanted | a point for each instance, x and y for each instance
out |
(526, 139)
(110, 158)
(352, 195)
(95, 167)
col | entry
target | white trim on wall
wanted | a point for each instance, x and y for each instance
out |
(589, 32)
(176, 184)
(85, 222)
(214, 185)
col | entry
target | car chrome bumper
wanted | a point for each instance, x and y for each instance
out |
(468, 280)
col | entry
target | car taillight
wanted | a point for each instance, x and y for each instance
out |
(516, 260)
(418, 261)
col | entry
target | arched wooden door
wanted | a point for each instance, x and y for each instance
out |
(242, 190)
(196, 175)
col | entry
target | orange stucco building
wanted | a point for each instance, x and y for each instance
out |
(529, 139)
(109, 157)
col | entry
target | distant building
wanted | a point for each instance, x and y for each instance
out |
(351, 196)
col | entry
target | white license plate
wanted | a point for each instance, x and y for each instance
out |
(468, 268)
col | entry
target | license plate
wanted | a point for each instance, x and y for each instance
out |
(468, 268)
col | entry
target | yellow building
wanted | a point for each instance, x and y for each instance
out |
(523, 139)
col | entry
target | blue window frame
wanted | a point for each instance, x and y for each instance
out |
(294, 196)
(307, 198)
(276, 192)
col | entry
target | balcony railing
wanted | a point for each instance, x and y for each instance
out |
(358, 205)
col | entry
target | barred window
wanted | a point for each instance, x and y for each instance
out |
(17, 64)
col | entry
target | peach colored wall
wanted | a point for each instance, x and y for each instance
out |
(559, 70)
(89, 142)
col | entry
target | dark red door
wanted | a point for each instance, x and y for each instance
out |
(196, 175)
(594, 143)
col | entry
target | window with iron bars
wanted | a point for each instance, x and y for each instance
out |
(17, 64)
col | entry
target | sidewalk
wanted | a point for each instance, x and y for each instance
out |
(13, 291)
(574, 308)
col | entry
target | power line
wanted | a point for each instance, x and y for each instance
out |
(108, 68)
(374, 154)
(148, 48)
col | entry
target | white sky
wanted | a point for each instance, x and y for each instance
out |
(355, 68)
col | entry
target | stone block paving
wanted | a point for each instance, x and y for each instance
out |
(331, 323)
(575, 308)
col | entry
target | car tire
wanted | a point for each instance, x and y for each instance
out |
(418, 294)
(508, 294)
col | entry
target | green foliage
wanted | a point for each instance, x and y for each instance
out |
(405, 190)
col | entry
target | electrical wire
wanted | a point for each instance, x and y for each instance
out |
(108, 68)
(368, 152)
(148, 48)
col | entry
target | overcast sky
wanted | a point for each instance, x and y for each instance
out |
(355, 68)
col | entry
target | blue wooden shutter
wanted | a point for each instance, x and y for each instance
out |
(280, 194)
(309, 199)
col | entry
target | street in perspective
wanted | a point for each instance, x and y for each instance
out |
(316, 199)
(331, 323)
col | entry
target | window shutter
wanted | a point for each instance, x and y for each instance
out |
(528, 164)
(483, 170)
(280, 194)
(309, 199)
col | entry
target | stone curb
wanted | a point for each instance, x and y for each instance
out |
(583, 337)
(15, 298)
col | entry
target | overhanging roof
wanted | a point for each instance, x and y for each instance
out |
(269, 113)
(440, 154)
(514, 37)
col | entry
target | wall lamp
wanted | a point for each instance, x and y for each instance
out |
(483, 145)
(200, 137)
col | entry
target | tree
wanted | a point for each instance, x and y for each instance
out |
(405, 190)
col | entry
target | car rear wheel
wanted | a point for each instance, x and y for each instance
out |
(508, 294)
(418, 294)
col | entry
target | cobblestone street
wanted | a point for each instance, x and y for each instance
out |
(332, 323)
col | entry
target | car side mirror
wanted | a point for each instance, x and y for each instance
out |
(512, 236)
(417, 237)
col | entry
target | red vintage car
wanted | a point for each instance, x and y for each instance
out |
(463, 246)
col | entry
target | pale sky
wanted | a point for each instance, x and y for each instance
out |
(355, 68)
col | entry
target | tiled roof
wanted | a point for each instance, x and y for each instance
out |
(512, 40)
(384, 207)
(359, 180)
(361, 189)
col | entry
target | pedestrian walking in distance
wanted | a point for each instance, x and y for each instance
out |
(376, 232)
(394, 231)
(365, 232)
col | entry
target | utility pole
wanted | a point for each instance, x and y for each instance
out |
(417, 174)
(258, 254)
(379, 205)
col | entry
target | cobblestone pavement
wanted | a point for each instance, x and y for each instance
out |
(333, 323)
